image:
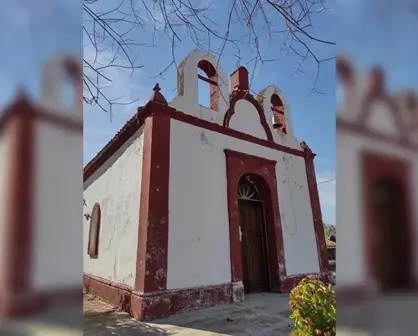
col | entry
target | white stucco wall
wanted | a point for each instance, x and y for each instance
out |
(116, 186)
(248, 120)
(58, 189)
(198, 242)
(350, 252)
(188, 102)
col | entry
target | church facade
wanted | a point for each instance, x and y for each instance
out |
(377, 177)
(192, 206)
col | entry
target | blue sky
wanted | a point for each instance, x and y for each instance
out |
(37, 30)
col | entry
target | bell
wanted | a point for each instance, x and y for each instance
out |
(276, 122)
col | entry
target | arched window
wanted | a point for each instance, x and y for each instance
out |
(211, 78)
(277, 108)
(247, 189)
(93, 244)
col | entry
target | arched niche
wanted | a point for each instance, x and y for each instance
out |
(188, 83)
(278, 115)
(62, 77)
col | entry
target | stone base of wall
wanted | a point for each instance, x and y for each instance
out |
(148, 306)
(30, 304)
(354, 294)
(291, 281)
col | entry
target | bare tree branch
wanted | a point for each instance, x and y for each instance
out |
(270, 28)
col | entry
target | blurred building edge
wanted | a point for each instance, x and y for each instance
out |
(377, 167)
(40, 171)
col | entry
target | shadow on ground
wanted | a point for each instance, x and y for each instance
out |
(119, 324)
(389, 315)
(11, 331)
(260, 315)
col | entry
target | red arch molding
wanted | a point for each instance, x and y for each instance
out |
(241, 94)
(237, 165)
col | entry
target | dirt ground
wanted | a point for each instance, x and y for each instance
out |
(260, 315)
(92, 306)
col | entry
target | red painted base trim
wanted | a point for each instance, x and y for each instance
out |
(20, 306)
(148, 306)
(291, 281)
(166, 303)
(354, 294)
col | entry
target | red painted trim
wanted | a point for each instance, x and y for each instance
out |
(361, 130)
(119, 295)
(376, 166)
(18, 229)
(238, 95)
(93, 251)
(207, 80)
(317, 214)
(123, 135)
(354, 294)
(192, 120)
(137, 121)
(22, 103)
(151, 272)
(212, 79)
(148, 306)
(36, 303)
(291, 281)
(59, 121)
(237, 165)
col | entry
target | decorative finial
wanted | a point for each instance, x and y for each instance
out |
(157, 95)
(305, 147)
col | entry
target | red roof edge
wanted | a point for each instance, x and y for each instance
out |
(123, 135)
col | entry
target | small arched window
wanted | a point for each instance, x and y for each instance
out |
(93, 244)
(277, 109)
(211, 78)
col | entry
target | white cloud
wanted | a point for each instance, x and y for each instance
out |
(327, 193)
(124, 86)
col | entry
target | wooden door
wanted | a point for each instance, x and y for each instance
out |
(391, 250)
(253, 247)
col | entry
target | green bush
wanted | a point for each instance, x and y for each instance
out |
(313, 305)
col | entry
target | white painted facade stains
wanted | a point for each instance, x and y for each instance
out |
(202, 231)
(247, 120)
(55, 231)
(116, 186)
(198, 220)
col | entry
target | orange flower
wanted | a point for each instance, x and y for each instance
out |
(311, 276)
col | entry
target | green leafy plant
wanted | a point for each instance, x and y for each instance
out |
(313, 305)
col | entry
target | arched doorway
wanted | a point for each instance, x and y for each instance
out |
(253, 234)
(392, 249)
